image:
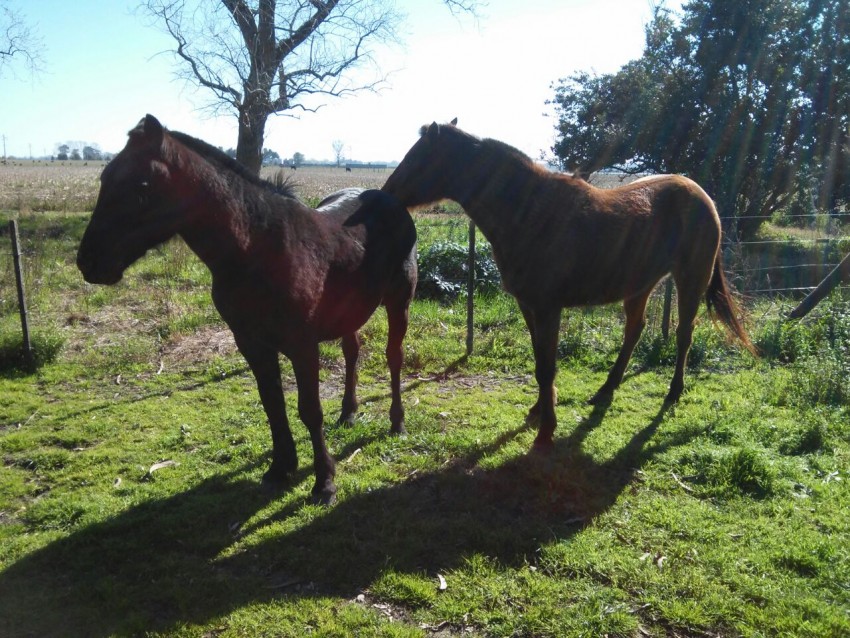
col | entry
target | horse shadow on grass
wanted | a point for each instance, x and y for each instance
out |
(177, 561)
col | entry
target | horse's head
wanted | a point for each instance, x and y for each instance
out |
(429, 170)
(133, 212)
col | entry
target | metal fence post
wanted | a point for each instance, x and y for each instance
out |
(668, 302)
(470, 287)
(22, 301)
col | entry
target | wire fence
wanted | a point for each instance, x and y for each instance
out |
(789, 266)
(782, 270)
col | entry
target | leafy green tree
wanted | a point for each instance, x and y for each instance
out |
(748, 97)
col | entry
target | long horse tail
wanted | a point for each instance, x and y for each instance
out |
(722, 305)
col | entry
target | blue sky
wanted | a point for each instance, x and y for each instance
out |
(104, 69)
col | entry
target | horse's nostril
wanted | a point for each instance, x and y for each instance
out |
(84, 262)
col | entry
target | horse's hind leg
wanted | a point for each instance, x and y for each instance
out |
(351, 352)
(398, 316)
(689, 300)
(635, 322)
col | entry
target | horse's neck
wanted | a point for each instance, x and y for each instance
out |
(513, 199)
(492, 200)
(218, 228)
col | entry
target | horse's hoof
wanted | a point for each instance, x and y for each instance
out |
(277, 477)
(672, 398)
(325, 496)
(346, 420)
(398, 429)
(543, 446)
(273, 484)
(601, 398)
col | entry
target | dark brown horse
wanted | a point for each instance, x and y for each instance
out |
(284, 276)
(560, 242)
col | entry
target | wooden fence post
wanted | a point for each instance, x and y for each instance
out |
(470, 287)
(22, 301)
(840, 273)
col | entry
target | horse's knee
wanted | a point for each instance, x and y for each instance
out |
(311, 415)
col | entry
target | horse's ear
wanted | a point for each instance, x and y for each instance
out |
(433, 130)
(152, 126)
(148, 129)
(453, 122)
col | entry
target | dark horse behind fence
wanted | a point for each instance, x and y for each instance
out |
(560, 242)
(284, 276)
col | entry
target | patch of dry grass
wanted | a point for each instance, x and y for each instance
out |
(72, 186)
(49, 186)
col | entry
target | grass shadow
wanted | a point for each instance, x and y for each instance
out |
(178, 560)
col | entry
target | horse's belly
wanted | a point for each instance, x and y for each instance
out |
(342, 312)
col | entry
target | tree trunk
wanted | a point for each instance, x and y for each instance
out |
(249, 146)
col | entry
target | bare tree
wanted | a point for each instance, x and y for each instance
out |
(338, 145)
(18, 42)
(261, 57)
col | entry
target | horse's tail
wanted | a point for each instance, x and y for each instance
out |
(722, 305)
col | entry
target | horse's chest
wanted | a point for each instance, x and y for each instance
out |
(260, 310)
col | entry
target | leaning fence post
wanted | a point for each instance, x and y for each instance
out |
(470, 286)
(22, 301)
(668, 302)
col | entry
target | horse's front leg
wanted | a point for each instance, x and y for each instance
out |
(528, 315)
(264, 364)
(305, 363)
(635, 321)
(351, 352)
(546, 324)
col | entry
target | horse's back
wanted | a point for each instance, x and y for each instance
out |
(378, 216)
(340, 200)
(598, 246)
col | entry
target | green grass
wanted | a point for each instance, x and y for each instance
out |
(723, 515)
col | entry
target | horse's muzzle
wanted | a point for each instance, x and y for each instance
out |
(93, 274)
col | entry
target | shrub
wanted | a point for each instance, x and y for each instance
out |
(443, 271)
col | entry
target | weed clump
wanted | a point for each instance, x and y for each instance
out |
(743, 471)
(46, 346)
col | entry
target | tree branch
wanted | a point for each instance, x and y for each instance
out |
(18, 41)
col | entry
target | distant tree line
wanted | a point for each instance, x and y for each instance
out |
(81, 151)
(751, 98)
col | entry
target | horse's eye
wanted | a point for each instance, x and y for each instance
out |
(144, 193)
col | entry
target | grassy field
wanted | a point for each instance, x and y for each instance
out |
(131, 459)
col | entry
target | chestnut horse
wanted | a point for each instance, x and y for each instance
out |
(560, 242)
(284, 276)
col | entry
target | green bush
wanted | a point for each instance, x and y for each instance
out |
(443, 271)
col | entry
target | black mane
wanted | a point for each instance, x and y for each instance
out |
(280, 185)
